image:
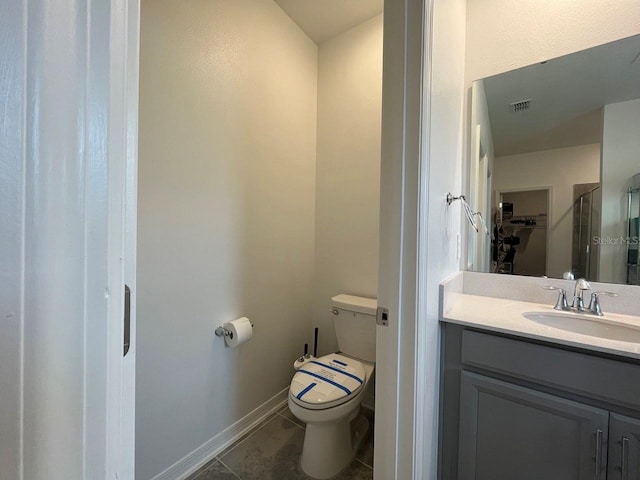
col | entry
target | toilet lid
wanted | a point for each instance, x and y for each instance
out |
(327, 381)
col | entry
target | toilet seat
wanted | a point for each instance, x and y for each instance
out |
(327, 382)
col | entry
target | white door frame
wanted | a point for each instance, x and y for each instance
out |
(478, 243)
(129, 11)
(401, 419)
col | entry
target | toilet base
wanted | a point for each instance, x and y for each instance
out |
(330, 447)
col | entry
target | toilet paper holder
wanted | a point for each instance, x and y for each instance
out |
(224, 332)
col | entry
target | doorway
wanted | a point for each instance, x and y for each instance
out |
(258, 197)
(520, 237)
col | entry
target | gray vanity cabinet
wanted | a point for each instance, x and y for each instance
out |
(624, 448)
(518, 409)
(511, 432)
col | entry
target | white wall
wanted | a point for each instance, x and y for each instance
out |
(559, 169)
(500, 35)
(444, 174)
(226, 215)
(348, 170)
(620, 161)
(504, 35)
(445, 146)
(445, 136)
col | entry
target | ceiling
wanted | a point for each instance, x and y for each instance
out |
(323, 19)
(567, 94)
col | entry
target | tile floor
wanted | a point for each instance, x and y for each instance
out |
(272, 452)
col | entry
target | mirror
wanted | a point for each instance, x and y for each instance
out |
(554, 167)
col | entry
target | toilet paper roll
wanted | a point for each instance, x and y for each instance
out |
(241, 331)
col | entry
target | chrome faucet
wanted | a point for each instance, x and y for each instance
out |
(578, 296)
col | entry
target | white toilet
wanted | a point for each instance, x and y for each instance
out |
(326, 392)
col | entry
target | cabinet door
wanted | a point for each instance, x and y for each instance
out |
(624, 448)
(508, 432)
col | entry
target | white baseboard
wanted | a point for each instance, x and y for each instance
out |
(208, 451)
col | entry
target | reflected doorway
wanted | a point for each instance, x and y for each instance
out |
(520, 239)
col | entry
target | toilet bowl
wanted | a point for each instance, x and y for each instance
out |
(326, 392)
(334, 431)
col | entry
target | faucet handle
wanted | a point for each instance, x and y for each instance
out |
(605, 294)
(594, 305)
(562, 303)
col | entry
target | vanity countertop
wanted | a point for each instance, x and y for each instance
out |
(506, 316)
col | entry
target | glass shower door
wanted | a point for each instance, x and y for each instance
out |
(586, 225)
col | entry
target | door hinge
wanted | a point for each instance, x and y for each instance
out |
(382, 316)
(127, 319)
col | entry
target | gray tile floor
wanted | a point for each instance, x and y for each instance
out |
(272, 452)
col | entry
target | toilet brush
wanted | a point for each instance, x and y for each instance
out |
(315, 343)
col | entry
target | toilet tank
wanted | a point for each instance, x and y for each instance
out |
(355, 323)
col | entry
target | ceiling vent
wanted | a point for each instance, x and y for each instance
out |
(520, 106)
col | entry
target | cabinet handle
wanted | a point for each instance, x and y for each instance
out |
(598, 452)
(625, 458)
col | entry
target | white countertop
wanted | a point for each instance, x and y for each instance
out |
(506, 316)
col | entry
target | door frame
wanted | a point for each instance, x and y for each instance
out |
(404, 425)
(478, 250)
(401, 383)
(122, 141)
(404, 199)
(129, 12)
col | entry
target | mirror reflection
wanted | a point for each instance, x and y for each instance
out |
(555, 166)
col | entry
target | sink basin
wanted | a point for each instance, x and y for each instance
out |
(585, 325)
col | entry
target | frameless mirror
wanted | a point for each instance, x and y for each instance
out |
(554, 166)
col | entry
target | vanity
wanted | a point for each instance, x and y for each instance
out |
(530, 393)
(536, 385)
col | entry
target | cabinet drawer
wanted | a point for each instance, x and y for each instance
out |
(605, 379)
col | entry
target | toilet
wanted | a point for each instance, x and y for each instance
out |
(326, 392)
